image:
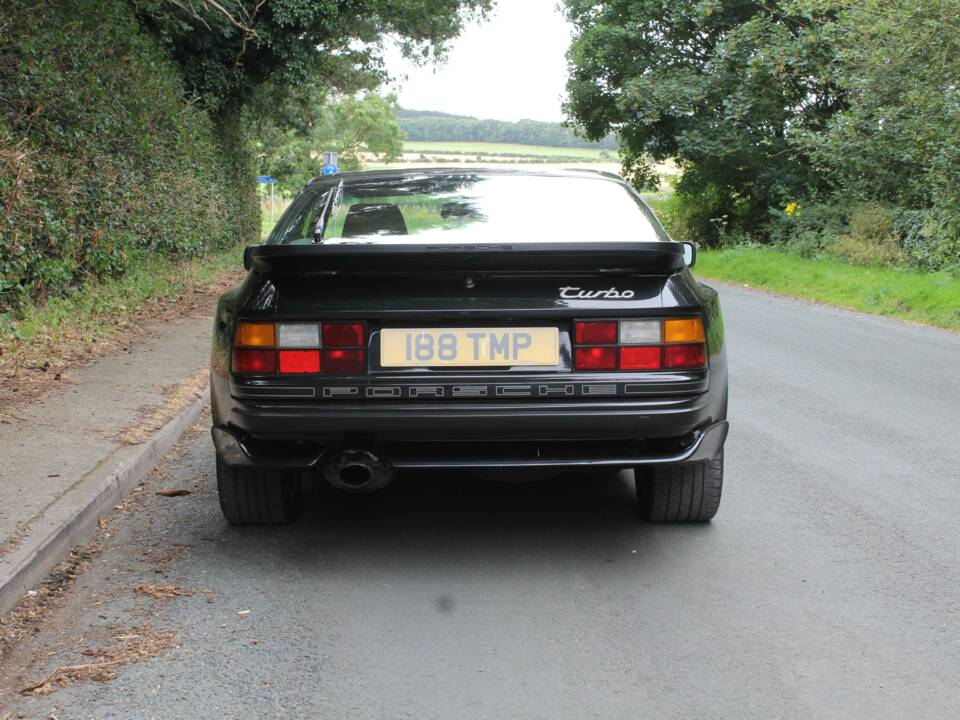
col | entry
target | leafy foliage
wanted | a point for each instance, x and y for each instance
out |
(124, 126)
(898, 141)
(720, 86)
(848, 103)
(346, 125)
(101, 158)
(234, 52)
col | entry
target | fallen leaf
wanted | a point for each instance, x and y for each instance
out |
(162, 592)
(175, 492)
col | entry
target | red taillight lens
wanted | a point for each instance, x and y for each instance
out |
(255, 362)
(640, 358)
(684, 356)
(344, 361)
(299, 362)
(343, 335)
(596, 358)
(596, 333)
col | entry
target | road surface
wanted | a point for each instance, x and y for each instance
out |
(827, 587)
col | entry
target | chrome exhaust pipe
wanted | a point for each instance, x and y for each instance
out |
(358, 471)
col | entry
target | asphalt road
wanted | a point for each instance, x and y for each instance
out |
(827, 587)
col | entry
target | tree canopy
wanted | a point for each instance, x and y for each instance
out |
(233, 50)
(765, 104)
(347, 125)
(719, 86)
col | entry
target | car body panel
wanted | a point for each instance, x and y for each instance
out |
(511, 412)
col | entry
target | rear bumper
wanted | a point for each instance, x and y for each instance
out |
(479, 435)
(700, 445)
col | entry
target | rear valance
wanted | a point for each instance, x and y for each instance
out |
(387, 259)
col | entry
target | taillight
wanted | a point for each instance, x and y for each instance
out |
(343, 334)
(682, 330)
(596, 358)
(641, 344)
(299, 348)
(256, 335)
(596, 333)
(299, 362)
(640, 358)
(254, 362)
(349, 362)
(684, 356)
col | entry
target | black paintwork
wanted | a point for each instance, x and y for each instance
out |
(292, 420)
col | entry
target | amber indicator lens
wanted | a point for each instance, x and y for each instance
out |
(343, 335)
(262, 335)
(683, 330)
(596, 333)
(255, 362)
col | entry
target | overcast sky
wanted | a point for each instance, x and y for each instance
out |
(509, 68)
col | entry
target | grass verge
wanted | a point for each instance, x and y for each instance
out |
(929, 298)
(44, 340)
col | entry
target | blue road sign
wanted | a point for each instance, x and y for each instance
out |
(266, 179)
(329, 170)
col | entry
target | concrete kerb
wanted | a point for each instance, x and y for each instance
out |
(73, 517)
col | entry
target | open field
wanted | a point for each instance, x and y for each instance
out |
(506, 149)
(498, 155)
(470, 162)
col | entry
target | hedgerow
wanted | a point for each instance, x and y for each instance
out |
(103, 156)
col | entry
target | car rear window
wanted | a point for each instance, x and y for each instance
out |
(467, 209)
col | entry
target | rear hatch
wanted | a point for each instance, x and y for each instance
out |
(514, 292)
(462, 315)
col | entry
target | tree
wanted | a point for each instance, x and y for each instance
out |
(248, 58)
(721, 86)
(898, 141)
(346, 125)
(232, 51)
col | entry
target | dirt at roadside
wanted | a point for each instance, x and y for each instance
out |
(31, 369)
(43, 646)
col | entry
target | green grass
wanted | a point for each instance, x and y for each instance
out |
(930, 298)
(484, 148)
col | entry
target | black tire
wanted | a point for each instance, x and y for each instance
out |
(680, 493)
(255, 496)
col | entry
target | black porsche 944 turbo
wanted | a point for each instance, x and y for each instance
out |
(468, 319)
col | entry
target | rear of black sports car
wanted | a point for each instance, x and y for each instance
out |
(468, 319)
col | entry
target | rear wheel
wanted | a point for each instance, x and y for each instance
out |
(680, 493)
(257, 496)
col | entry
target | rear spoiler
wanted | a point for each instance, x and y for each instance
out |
(386, 259)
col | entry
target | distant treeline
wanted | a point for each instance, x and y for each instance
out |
(426, 125)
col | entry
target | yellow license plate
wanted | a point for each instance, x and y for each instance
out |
(469, 347)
